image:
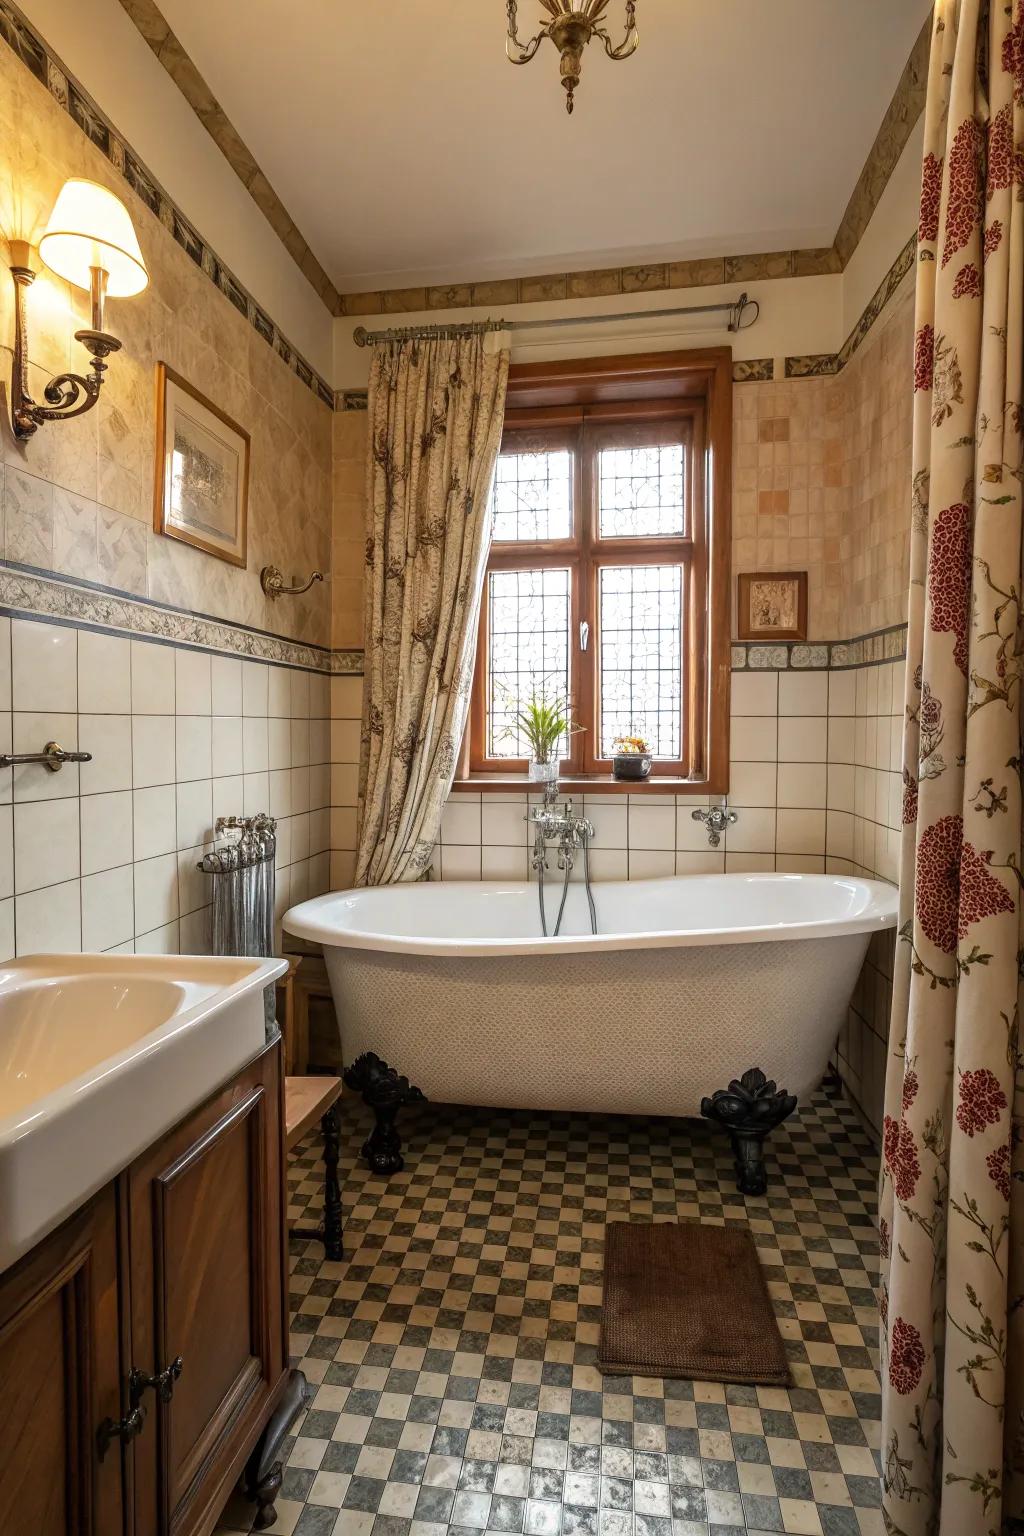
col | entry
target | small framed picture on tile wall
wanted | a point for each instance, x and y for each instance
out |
(772, 605)
(202, 470)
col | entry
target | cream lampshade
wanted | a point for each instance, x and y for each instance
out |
(91, 230)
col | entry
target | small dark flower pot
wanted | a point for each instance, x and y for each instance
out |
(631, 765)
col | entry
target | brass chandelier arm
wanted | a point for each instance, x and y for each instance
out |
(527, 49)
(630, 42)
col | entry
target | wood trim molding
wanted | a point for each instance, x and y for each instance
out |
(157, 33)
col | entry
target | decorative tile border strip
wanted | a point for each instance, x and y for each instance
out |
(824, 655)
(25, 594)
(31, 50)
(761, 370)
(167, 49)
(755, 370)
(824, 364)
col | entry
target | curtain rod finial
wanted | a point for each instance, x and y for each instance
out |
(359, 336)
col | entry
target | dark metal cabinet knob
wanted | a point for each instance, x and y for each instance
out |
(124, 1429)
(162, 1384)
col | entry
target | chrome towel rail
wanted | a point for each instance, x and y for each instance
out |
(53, 757)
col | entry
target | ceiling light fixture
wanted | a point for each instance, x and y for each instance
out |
(571, 27)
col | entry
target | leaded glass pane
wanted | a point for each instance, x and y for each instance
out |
(641, 656)
(641, 492)
(532, 496)
(528, 630)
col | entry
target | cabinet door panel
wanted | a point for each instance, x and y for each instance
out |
(59, 1365)
(207, 1285)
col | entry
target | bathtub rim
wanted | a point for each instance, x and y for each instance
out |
(880, 915)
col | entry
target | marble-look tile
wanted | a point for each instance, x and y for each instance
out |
(28, 519)
(121, 551)
(75, 536)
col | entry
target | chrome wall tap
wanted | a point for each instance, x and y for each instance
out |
(560, 825)
(716, 820)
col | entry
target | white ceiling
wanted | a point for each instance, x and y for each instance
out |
(407, 150)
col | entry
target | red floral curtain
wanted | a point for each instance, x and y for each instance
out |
(952, 1191)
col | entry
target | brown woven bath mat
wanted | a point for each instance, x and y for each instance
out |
(687, 1300)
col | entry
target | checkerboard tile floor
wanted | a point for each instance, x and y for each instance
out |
(451, 1355)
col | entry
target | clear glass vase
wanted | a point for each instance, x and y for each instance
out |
(542, 773)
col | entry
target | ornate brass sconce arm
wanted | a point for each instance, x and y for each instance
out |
(630, 42)
(66, 395)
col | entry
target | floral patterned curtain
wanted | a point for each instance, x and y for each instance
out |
(952, 1191)
(436, 409)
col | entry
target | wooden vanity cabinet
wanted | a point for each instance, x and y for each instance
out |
(60, 1377)
(168, 1292)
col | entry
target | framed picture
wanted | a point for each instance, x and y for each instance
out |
(772, 605)
(202, 470)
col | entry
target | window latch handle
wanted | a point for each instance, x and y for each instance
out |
(584, 634)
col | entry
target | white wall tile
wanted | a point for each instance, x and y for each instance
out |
(44, 660)
(152, 678)
(193, 747)
(345, 741)
(192, 683)
(803, 739)
(108, 909)
(651, 827)
(842, 693)
(195, 889)
(752, 783)
(227, 744)
(800, 832)
(651, 864)
(460, 822)
(610, 817)
(279, 695)
(152, 750)
(227, 796)
(154, 821)
(709, 861)
(104, 674)
(749, 863)
(162, 941)
(802, 785)
(279, 791)
(49, 921)
(194, 812)
(298, 691)
(609, 864)
(346, 698)
(156, 892)
(7, 945)
(755, 693)
(752, 832)
(255, 793)
(46, 843)
(109, 739)
(753, 739)
(225, 685)
(6, 852)
(803, 693)
(503, 823)
(106, 831)
(460, 862)
(255, 683)
(5, 664)
(500, 863)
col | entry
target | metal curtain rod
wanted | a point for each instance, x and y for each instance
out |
(737, 309)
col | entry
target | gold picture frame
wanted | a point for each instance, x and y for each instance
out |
(771, 605)
(202, 471)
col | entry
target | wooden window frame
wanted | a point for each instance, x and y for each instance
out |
(575, 400)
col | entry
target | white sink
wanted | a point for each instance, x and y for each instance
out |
(99, 1056)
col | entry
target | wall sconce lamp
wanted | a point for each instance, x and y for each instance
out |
(91, 243)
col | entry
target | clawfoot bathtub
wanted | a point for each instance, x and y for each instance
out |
(688, 982)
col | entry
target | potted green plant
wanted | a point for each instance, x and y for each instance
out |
(544, 723)
(631, 757)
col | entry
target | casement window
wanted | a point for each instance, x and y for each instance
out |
(608, 578)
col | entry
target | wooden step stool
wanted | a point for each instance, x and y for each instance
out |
(307, 1100)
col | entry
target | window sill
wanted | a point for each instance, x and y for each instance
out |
(587, 784)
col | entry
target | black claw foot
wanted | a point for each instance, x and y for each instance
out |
(263, 1473)
(331, 1127)
(749, 1110)
(386, 1093)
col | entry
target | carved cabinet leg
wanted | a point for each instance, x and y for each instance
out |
(385, 1092)
(263, 1473)
(332, 1189)
(749, 1109)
